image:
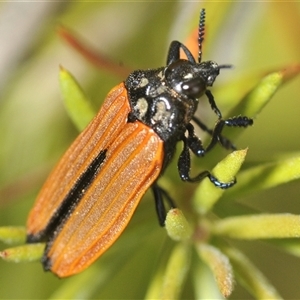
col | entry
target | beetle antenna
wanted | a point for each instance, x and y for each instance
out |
(225, 66)
(201, 33)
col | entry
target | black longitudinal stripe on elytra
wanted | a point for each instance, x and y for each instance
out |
(70, 201)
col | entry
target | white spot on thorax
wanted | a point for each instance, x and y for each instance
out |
(142, 107)
(144, 81)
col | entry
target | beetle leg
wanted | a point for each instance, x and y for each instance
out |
(174, 53)
(213, 104)
(195, 144)
(226, 143)
(193, 141)
(159, 195)
(184, 166)
(239, 121)
(216, 134)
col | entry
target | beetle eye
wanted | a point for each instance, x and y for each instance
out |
(194, 87)
(183, 77)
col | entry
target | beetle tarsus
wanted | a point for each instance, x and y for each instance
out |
(239, 121)
(222, 185)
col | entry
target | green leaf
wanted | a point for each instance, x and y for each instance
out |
(260, 95)
(250, 277)
(176, 272)
(206, 194)
(266, 176)
(168, 279)
(25, 253)
(155, 286)
(220, 267)
(291, 246)
(77, 105)
(13, 234)
(252, 104)
(262, 226)
(205, 284)
(177, 225)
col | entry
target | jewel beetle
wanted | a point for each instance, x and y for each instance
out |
(93, 191)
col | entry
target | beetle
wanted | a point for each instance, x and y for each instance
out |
(93, 191)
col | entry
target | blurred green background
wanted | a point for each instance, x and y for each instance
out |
(35, 130)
